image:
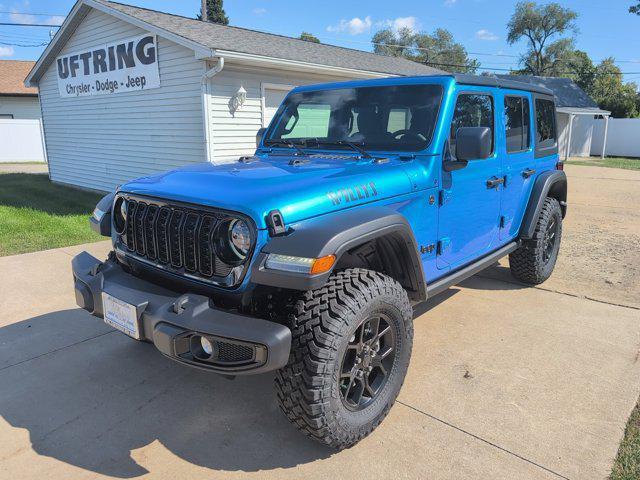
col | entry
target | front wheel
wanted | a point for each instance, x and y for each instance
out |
(350, 352)
(534, 260)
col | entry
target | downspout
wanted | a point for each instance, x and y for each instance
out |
(208, 75)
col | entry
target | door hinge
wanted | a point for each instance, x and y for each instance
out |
(442, 245)
(443, 197)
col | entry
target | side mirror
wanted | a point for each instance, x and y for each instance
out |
(473, 143)
(259, 136)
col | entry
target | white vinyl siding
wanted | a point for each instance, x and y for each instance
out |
(233, 135)
(19, 108)
(100, 142)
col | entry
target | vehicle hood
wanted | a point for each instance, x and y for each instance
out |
(321, 185)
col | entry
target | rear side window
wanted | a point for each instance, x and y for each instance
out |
(472, 110)
(516, 112)
(545, 123)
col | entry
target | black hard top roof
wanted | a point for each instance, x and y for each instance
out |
(491, 81)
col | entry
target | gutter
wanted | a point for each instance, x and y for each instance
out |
(204, 82)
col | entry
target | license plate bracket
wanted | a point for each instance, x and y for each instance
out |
(121, 315)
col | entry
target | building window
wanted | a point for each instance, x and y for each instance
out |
(545, 123)
(516, 112)
(472, 110)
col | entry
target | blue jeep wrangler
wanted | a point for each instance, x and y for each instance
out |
(362, 199)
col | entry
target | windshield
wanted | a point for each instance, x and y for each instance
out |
(395, 117)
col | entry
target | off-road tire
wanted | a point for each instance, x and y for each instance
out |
(323, 322)
(527, 263)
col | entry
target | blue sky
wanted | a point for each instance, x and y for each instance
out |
(605, 28)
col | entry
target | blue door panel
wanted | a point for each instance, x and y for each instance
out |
(469, 216)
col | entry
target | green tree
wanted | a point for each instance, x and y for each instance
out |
(608, 90)
(580, 69)
(540, 26)
(635, 9)
(215, 12)
(309, 37)
(439, 49)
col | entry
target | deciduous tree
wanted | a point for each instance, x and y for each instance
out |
(541, 25)
(438, 49)
(309, 37)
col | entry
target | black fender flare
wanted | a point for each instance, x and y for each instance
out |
(335, 234)
(552, 183)
(103, 225)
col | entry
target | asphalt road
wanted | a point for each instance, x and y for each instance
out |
(506, 381)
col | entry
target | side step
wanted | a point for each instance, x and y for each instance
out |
(458, 276)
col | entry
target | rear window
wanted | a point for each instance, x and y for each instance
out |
(545, 123)
(516, 111)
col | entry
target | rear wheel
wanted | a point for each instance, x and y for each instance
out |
(533, 262)
(350, 351)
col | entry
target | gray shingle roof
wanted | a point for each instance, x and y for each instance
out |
(566, 92)
(243, 40)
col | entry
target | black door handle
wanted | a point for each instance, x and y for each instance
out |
(527, 172)
(494, 182)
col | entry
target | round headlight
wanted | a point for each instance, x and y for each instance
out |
(232, 241)
(240, 237)
(120, 215)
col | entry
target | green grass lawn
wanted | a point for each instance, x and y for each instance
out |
(611, 162)
(36, 214)
(627, 464)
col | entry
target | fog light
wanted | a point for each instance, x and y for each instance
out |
(206, 345)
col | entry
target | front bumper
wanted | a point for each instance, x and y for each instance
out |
(174, 323)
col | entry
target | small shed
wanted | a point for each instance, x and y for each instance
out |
(127, 91)
(576, 111)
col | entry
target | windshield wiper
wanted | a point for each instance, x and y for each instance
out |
(288, 144)
(353, 146)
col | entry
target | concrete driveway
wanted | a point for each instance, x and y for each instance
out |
(505, 381)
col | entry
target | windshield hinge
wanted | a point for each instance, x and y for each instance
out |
(275, 223)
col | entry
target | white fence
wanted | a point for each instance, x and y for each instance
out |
(21, 141)
(623, 137)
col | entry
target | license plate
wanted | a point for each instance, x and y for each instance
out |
(121, 315)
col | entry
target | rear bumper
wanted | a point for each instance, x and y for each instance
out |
(174, 323)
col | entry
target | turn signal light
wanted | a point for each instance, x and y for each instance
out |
(322, 264)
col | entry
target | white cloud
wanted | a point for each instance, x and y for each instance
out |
(401, 22)
(259, 11)
(449, 3)
(355, 26)
(6, 51)
(484, 34)
(55, 20)
(22, 17)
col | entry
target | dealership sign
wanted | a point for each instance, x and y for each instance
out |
(117, 67)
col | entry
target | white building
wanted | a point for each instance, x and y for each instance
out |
(127, 91)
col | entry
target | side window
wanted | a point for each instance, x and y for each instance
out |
(545, 123)
(312, 121)
(472, 110)
(516, 113)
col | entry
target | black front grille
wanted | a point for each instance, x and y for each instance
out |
(179, 238)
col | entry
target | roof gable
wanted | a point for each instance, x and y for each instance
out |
(207, 39)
